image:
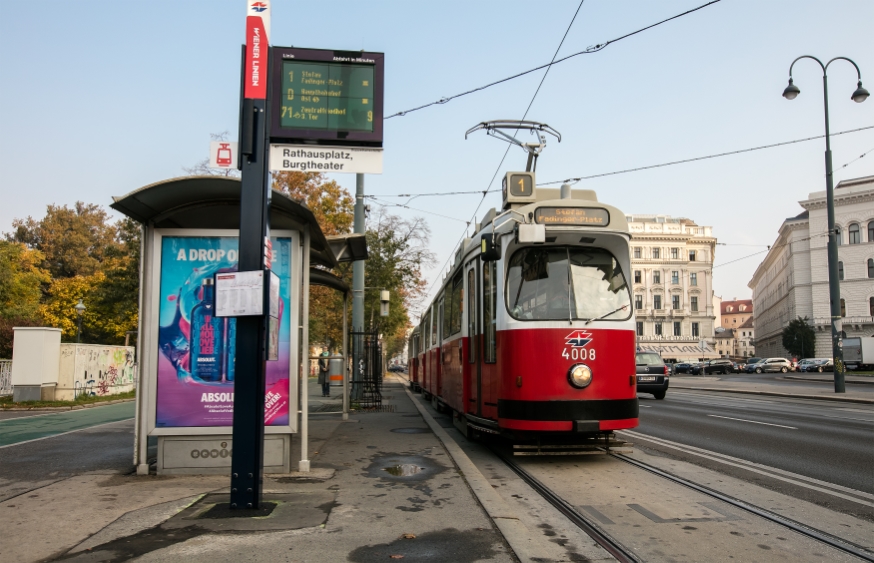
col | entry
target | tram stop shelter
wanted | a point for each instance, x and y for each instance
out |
(186, 368)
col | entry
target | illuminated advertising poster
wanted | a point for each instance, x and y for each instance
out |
(196, 360)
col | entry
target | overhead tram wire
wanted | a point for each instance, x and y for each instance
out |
(697, 158)
(770, 247)
(589, 50)
(498, 169)
(389, 204)
(641, 168)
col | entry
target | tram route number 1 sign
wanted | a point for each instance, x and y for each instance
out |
(328, 159)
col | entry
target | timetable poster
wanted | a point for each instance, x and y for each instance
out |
(197, 350)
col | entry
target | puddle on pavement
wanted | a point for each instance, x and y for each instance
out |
(404, 470)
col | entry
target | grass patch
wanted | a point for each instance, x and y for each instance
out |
(7, 403)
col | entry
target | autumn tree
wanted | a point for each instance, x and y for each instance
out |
(397, 252)
(73, 241)
(21, 284)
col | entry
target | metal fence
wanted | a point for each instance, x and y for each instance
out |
(366, 392)
(5, 377)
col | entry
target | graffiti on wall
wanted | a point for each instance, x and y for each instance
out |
(97, 370)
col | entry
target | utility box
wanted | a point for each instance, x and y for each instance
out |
(36, 353)
(336, 372)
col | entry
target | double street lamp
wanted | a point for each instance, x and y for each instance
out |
(859, 96)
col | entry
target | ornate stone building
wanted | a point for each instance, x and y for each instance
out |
(672, 277)
(792, 280)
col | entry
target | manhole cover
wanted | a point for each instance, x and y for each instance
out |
(412, 430)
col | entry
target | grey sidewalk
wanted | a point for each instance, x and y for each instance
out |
(382, 484)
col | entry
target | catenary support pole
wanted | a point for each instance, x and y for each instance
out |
(358, 287)
(346, 356)
(304, 464)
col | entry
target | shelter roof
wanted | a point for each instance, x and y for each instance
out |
(213, 202)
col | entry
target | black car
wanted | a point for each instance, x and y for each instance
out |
(652, 374)
(682, 368)
(717, 366)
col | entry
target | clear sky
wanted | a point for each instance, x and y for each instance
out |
(100, 98)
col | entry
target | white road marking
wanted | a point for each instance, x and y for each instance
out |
(64, 433)
(772, 472)
(646, 406)
(753, 421)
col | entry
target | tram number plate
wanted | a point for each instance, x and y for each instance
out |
(646, 378)
(578, 354)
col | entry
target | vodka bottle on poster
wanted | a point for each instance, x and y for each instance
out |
(230, 348)
(207, 336)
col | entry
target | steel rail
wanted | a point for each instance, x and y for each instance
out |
(613, 547)
(818, 535)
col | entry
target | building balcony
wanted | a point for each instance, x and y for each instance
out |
(847, 321)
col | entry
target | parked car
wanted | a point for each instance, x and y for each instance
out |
(751, 364)
(682, 367)
(802, 365)
(820, 365)
(652, 374)
(720, 365)
(735, 367)
(772, 365)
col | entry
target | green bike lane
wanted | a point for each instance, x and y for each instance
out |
(18, 430)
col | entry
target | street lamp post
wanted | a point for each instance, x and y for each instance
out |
(859, 96)
(80, 308)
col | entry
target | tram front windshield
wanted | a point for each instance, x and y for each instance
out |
(561, 282)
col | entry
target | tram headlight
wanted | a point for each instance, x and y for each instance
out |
(580, 375)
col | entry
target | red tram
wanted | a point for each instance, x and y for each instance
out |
(532, 333)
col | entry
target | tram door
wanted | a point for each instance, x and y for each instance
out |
(487, 364)
(473, 371)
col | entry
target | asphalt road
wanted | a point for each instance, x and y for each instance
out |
(38, 450)
(828, 441)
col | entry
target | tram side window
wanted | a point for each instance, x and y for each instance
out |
(456, 305)
(490, 307)
(443, 331)
(471, 313)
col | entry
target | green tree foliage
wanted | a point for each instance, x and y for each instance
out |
(74, 241)
(799, 339)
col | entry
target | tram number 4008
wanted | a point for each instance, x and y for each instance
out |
(578, 354)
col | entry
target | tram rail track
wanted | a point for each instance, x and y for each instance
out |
(623, 554)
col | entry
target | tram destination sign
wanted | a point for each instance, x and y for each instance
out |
(574, 216)
(331, 97)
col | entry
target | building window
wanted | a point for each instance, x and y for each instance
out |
(838, 235)
(675, 253)
(691, 256)
(694, 303)
(695, 329)
(871, 306)
(855, 233)
(871, 231)
(871, 267)
(675, 302)
(678, 328)
(657, 302)
(658, 329)
(843, 308)
(637, 252)
(675, 277)
(656, 254)
(636, 276)
(693, 278)
(841, 271)
(638, 302)
(656, 277)
(639, 328)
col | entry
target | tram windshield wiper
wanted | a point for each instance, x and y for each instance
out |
(605, 315)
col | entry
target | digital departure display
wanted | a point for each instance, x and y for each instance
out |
(573, 216)
(324, 95)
